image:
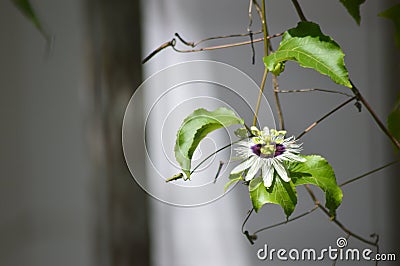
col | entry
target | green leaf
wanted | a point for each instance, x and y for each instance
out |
(393, 14)
(27, 10)
(353, 7)
(280, 192)
(308, 46)
(394, 120)
(317, 171)
(234, 178)
(195, 127)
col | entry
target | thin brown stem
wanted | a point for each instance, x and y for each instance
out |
(369, 173)
(314, 89)
(265, 27)
(266, 50)
(159, 49)
(299, 10)
(258, 8)
(249, 237)
(380, 124)
(250, 15)
(172, 44)
(211, 155)
(338, 223)
(194, 44)
(223, 46)
(325, 116)
(287, 221)
(278, 102)
(264, 79)
(221, 163)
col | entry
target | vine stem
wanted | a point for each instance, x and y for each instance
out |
(380, 124)
(325, 116)
(299, 10)
(266, 49)
(287, 221)
(194, 44)
(368, 173)
(211, 155)
(265, 27)
(315, 89)
(260, 94)
(338, 223)
(278, 102)
(172, 44)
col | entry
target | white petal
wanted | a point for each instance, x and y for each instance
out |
(243, 166)
(268, 174)
(253, 170)
(281, 170)
(293, 157)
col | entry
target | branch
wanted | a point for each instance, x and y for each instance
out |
(212, 154)
(299, 10)
(314, 89)
(265, 27)
(172, 44)
(266, 50)
(368, 173)
(249, 237)
(253, 50)
(258, 8)
(325, 116)
(338, 223)
(374, 115)
(287, 221)
(278, 102)
(264, 79)
(194, 44)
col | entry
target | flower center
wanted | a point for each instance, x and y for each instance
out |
(268, 150)
(279, 149)
(256, 149)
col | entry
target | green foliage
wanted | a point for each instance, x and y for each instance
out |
(195, 127)
(317, 171)
(308, 46)
(314, 171)
(393, 14)
(280, 192)
(233, 179)
(353, 7)
(27, 10)
(394, 120)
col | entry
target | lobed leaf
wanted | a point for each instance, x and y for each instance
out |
(280, 192)
(195, 127)
(317, 171)
(308, 46)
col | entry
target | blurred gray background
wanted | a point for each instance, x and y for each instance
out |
(66, 196)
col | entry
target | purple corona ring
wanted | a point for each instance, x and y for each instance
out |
(267, 150)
